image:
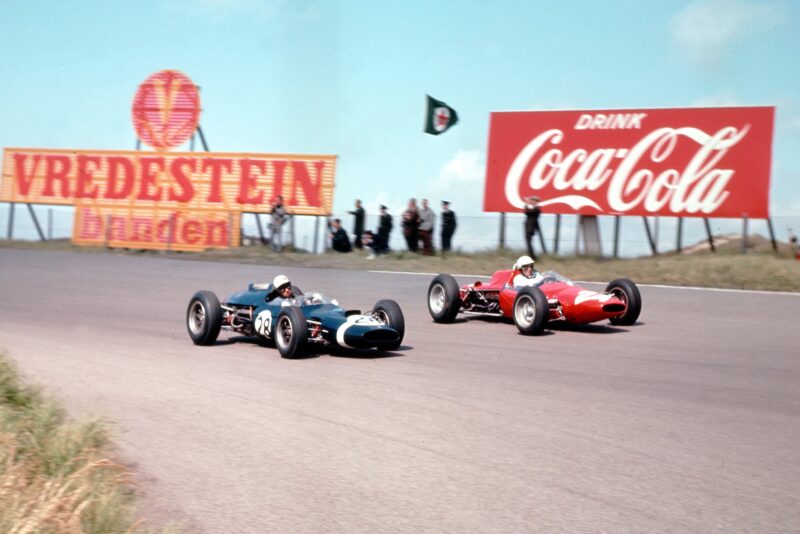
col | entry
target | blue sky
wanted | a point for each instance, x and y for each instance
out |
(349, 78)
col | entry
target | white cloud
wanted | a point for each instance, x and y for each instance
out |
(460, 181)
(706, 29)
(718, 100)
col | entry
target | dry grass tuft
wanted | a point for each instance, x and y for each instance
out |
(56, 476)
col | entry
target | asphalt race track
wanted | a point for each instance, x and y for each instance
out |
(686, 422)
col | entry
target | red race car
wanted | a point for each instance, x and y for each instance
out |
(552, 298)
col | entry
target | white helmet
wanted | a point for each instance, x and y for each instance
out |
(523, 261)
(280, 281)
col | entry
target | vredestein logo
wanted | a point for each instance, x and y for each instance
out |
(166, 109)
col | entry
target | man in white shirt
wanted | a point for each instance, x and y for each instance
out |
(527, 276)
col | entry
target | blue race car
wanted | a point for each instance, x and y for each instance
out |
(293, 323)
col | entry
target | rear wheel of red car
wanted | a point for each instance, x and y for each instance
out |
(627, 292)
(290, 332)
(388, 312)
(204, 318)
(444, 299)
(530, 311)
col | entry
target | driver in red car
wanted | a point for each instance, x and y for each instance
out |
(527, 276)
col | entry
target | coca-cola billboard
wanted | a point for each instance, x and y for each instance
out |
(686, 162)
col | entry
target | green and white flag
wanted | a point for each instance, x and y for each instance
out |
(439, 117)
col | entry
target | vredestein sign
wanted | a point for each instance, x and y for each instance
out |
(160, 199)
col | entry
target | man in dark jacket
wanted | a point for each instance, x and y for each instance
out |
(385, 227)
(532, 213)
(339, 240)
(358, 224)
(448, 225)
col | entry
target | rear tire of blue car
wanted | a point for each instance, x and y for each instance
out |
(290, 332)
(530, 311)
(204, 318)
(444, 299)
(389, 312)
(626, 291)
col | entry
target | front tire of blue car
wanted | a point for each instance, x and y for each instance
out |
(389, 312)
(290, 332)
(204, 318)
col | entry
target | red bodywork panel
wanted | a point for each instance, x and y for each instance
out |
(568, 302)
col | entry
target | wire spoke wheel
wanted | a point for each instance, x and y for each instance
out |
(284, 331)
(197, 318)
(381, 316)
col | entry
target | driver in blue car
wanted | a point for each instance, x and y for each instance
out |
(527, 275)
(281, 288)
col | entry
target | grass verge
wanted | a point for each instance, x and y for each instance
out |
(57, 476)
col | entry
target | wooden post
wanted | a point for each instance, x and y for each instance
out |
(650, 236)
(291, 231)
(36, 223)
(316, 233)
(710, 237)
(10, 220)
(558, 233)
(502, 237)
(679, 244)
(616, 235)
(744, 233)
(772, 235)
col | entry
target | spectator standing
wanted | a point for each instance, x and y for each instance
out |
(358, 224)
(794, 247)
(411, 225)
(277, 218)
(532, 213)
(385, 226)
(448, 225)
(339, 240)
(427, 219)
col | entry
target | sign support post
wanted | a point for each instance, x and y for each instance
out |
(772, 235)
(710, 237)
(650, 236)
(11, 220)
(745, 221)
(36, 222)
(558, 232)
(502, 237)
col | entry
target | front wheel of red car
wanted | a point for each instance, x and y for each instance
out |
(530, 311)
(627, 292)
(291, 332)
(444, 299)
